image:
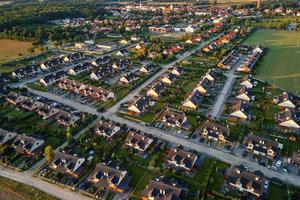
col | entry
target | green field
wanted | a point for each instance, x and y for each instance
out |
(281, 64)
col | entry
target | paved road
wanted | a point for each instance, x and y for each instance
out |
(216, 112)
(52, 189)
(221, 155)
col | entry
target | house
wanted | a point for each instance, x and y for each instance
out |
(145, 69)
(177, 71)
(204, 85)
(215, 132)
(107, 46)
(194, 100)
(122, 64)
(155, 91)
(106, 129)
(15, 98)
(138, 141)
(123, 53)
(288, 119)
(6, 136)
(210, 75)
(31, 104)
(139, 106)
(74, 57)
(173, 118)
(102, 72)
(179, 158)
(128, 78)
(247, 81)
(135, 38)
(161, 29)
(51, 64)
(47, 111)
(245, 94)
(250, 184)
(68, 164)
(79, 69)
(239, 111)
(286, 100)
(141, 45)
(108, 178)
(158, 190)
(29, 146)
(67, 119)
(52, 78)
(262, 146)
(101, 61)
(23, 72)
(169, 78)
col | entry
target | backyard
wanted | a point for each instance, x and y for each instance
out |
(274, 67)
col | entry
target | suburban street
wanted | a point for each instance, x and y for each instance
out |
(63, 193)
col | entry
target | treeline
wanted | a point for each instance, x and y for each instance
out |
(29, 22)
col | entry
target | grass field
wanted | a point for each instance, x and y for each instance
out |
(12, 49)
(11, 190)
(281, 64)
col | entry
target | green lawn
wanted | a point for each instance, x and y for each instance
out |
(281, 63)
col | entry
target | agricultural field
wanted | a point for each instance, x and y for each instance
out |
(12, 49)
(275, 67)
(11, 190)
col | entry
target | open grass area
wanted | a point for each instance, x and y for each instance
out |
(280, 65)
(12, 49)
(11, 190)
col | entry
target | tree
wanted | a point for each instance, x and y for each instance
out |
(233, 20)
(69, 135)
(49, 155)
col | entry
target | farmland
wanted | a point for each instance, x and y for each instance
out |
(11, 190)
(275, 67)
(12, 49)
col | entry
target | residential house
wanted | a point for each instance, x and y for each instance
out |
(146, 69)
(169, 78)
(102, 72)
(52, 78)
(128, 78)
(6, 136)
(173, 118)
(67, 119)
(245, 94)
(215, 132)
(106, 129)
(101, 61)
(47, 111)
(177, 71)
(247, 81)
(239, 111)
(138, 141)
(286, 100)
(158, 190)
(193, 101)
(108, 178)
(262, 146)
(123, 53)
(203, 86)
(179, 158)
(155, 91)
(140, 105)
(29, 146)
(296, 159)
(51, 64)
(15, 98)
(23, 72)
(68, 164)
(74, 57)
(288, 119)
(250, 184)
(79, 69)
(31, 104)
